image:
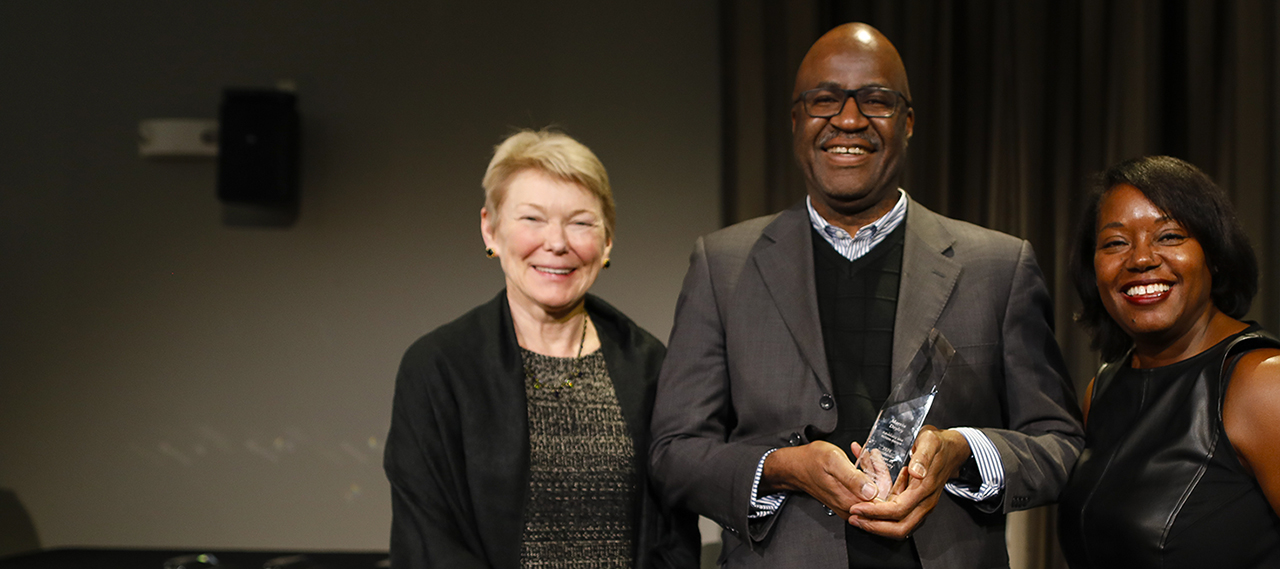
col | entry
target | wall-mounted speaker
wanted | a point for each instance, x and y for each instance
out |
(258, 148)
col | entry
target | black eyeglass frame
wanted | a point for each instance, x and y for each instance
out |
(852, 94)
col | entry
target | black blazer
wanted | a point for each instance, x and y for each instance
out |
(457, 455)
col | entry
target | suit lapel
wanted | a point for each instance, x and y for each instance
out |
(785, 261)
(928, 277)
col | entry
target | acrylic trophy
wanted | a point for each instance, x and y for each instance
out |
(889, 445)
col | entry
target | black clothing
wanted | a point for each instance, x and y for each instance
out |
(458, 452)
(857, 303)
(1158, 484)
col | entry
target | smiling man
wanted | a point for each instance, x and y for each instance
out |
(793, 329)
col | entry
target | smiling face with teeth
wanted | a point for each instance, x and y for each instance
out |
(549, 235)
(1152, 273)
(851, 163)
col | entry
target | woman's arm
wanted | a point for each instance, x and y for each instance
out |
(1251, 416)
(1088, 399)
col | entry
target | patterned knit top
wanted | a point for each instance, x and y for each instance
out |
(583, 484)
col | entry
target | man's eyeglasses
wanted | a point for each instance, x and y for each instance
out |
(873, 102)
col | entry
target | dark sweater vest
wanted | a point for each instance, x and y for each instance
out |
(857, 303)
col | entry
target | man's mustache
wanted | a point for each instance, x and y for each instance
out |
(870, 138)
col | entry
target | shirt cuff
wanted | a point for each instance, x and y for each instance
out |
(989, 468)
(765, 506)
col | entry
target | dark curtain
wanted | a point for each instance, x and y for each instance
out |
(1017, 103)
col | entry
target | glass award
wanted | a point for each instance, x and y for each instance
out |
(888, 447)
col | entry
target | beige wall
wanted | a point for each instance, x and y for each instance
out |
(169, 381)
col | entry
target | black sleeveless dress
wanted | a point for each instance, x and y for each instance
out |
(1158, 484)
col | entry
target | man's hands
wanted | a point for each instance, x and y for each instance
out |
(936, 458)
(823, 471)
(819, 469)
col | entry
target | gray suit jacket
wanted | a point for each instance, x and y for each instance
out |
(746, 368)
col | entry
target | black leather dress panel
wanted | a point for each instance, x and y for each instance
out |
(1157, 466)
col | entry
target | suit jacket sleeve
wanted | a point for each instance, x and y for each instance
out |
(1043, 435)
(692, 460)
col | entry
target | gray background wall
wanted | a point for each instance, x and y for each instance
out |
(166, 380)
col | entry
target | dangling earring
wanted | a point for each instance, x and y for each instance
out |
(607, 263)
(488, 252)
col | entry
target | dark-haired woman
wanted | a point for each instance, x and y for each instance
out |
(1181, 466)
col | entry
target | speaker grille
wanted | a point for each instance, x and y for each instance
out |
(258, 147)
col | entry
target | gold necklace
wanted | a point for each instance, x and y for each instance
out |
(577, 365)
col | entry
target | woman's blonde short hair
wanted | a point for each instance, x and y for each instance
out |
(555, 154)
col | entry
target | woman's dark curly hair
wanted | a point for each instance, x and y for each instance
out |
(1191, 198)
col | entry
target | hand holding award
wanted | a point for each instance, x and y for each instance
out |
(889, 445)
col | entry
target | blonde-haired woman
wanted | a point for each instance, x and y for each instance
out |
(520, 430)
